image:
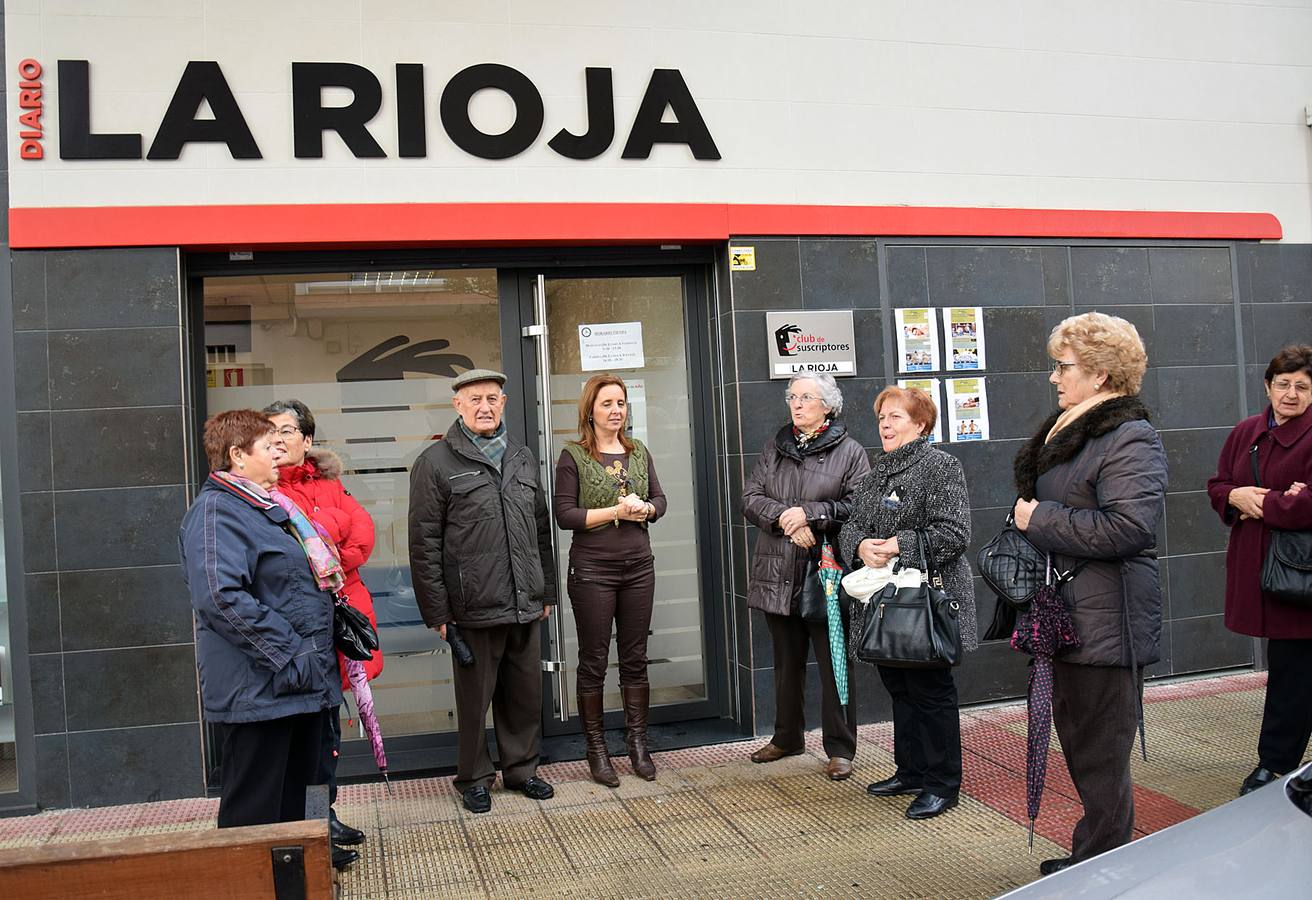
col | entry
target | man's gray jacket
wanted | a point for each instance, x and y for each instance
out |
(480, 540)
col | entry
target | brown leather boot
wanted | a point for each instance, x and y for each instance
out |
(594, 732)
(637, 699)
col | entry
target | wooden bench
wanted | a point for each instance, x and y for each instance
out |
(284, 861)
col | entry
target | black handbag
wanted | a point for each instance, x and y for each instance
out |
(353, 633)
(913, 627)
(1011, 566)
(811, 606)
(1287, 568)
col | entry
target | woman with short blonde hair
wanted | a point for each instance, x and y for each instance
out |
(1092, 486)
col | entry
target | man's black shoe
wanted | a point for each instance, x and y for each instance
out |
(342, 834)
(343, 857)
(478, 800)
(1049, 866)
(928, 805)
(1257, 778)
(535, 789)
(892, 787)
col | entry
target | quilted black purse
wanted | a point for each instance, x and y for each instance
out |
(1287, 568)
(913, 627)
(353, 633)
(1011, 566)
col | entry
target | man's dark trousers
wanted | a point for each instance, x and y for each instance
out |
(507, 675)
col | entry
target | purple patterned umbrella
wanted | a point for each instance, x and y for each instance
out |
(1044, 631)
(364, 704)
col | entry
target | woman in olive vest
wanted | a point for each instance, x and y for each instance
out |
(607, 494)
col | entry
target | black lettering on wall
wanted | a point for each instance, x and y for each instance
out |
(411, 140)
(203, 82)
(310, 118)
(76, 140)
(529, 113)
(667, 88)
(600, 94)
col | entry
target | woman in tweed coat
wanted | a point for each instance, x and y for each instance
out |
(916, 486)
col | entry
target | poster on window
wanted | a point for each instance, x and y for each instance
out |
(917, 340)
(611, 345)
(963, 331)
(929, 386)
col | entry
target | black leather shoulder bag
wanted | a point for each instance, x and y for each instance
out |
(1287, 568)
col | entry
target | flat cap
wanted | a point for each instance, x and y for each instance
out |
(475, 375)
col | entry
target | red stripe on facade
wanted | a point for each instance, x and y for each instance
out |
(484, 224)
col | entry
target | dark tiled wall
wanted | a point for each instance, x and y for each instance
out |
(1182, 300)
(101, 447)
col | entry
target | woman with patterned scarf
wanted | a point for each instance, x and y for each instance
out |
(799, 494)
(607, 493)
(260, 577)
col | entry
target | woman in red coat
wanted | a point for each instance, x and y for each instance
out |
(1281, 438)
(311, 476)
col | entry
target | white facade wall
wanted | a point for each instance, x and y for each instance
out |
(1119, 104)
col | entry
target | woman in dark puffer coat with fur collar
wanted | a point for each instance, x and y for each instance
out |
(1092, 486)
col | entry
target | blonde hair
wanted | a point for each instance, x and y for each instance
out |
(1103, 343)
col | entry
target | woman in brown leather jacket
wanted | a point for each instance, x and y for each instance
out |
(798, 494)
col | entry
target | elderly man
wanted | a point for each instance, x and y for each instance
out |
(481, 557)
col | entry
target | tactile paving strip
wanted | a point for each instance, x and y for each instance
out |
(714, 824)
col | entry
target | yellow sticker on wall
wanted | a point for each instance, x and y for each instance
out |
(742, 259)
(211, 378)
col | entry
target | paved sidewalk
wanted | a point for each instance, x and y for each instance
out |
(715, 825)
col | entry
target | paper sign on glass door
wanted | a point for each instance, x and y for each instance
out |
(610, 345)
(917, 340)
(968, 410)
(963, 327)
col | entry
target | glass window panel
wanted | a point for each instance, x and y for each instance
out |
(372, 354)
(659, 416)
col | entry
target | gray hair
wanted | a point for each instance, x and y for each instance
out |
(297, 410)
(830, 395)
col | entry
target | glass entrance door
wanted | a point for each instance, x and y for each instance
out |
(633, 327)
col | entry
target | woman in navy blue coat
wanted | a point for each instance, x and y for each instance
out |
(264, 629)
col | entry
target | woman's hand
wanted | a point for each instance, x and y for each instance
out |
(803, 537)
(1295, 489)
(1248, 500)
(1022, 512)
(876, 553)
(792, 519)
(630, 513)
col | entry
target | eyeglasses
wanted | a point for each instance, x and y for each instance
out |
(286, 432)
(790, 399)
(1301, 388)
(1059, 368)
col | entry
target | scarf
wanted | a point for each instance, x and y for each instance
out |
(320, 552)
(1078, 410)
(805, 437)
(493, 446)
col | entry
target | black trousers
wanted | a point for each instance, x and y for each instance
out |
(266, 766)
(1096, 711)
(1287, 715)
(330, 749)
(506, 675)
(926, 728)
(603, 595)
(792, 635)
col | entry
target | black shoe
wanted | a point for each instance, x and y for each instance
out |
(343, 857)
(927, 805)
(342, 834)
(535, 789)
(478, 800)
(892, 787)
(1049, 866)
(1257, 778)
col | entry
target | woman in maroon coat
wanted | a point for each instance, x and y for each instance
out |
(311, 477)
(1281, 436)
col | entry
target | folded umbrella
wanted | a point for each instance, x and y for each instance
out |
(364, 705)
(1044, 631)
(831, 577)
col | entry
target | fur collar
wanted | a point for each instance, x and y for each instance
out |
(320, 462)
(1036, 457)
